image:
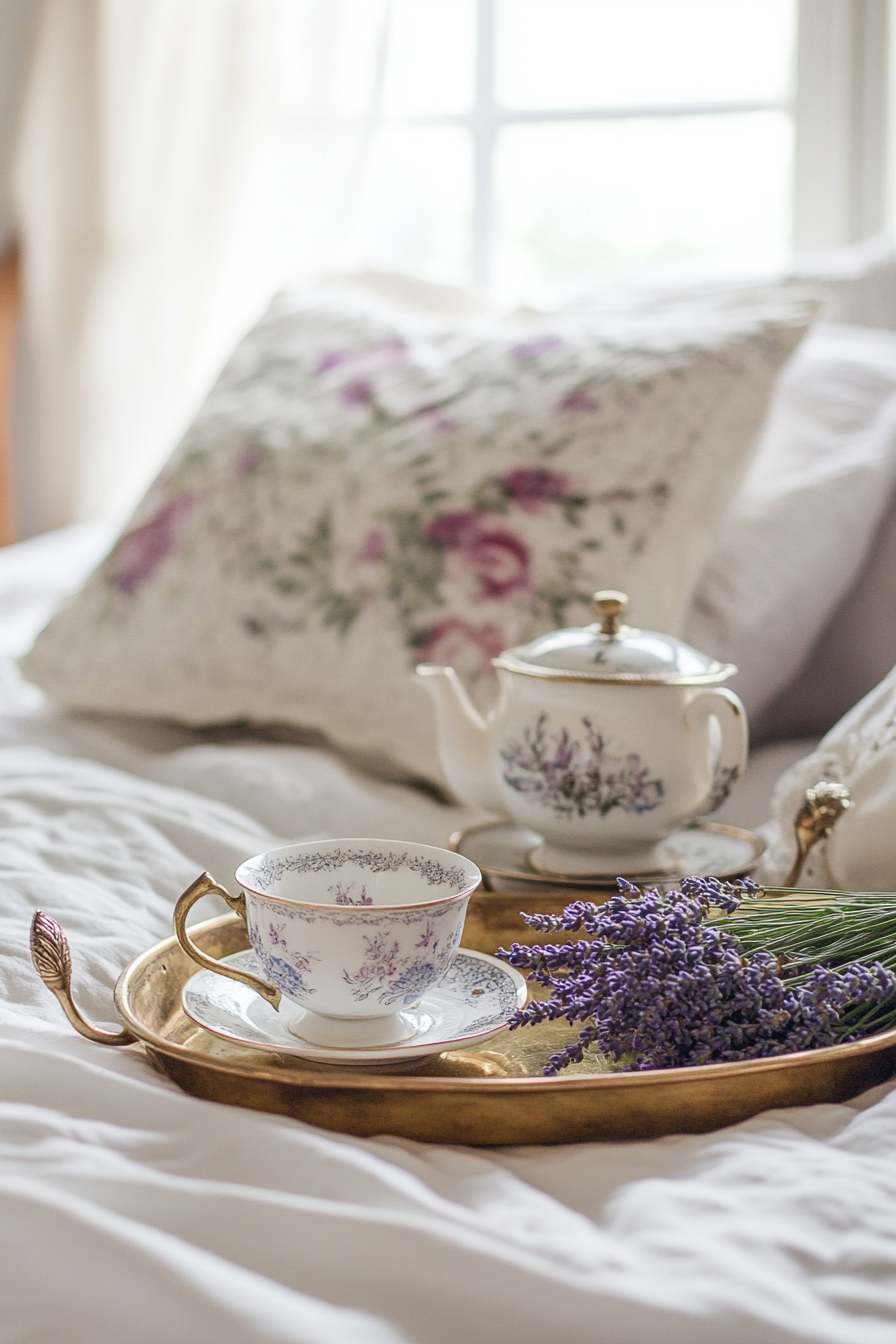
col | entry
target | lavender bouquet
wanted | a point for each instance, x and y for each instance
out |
(666, 980)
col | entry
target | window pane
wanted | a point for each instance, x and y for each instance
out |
(415, 212)
(579, 200)
(598, 53)
(431, 58)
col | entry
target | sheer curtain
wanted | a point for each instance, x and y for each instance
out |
(178, 160)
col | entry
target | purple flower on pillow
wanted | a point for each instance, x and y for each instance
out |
(455, 642)
(248, 460)
(533, 487)
(579, 400)
(372, 548)
(358, 392)
(379, 355)
(497, 557)
(139, 553)
(532, 349)
(332, 359)
(500, 562)
(442, 424)
(454, 529)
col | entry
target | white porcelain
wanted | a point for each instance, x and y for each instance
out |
(605, 739)
(704, 849)
(356, 931)
(471, 1003)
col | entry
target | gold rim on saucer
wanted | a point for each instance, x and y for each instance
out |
(529, 879)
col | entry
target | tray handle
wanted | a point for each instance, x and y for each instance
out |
(53, 961)
(206, 885)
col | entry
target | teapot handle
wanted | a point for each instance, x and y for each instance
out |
(724, 706)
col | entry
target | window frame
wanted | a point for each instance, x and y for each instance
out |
(488, 118)
(843, 179)
(843, 115)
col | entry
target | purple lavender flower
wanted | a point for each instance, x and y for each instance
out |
(655, 986)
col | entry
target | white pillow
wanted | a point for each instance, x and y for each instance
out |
(859, 281)
(853, 652)
(805, 517)
(365, 488)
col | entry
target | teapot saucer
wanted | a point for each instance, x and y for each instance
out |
(704, 849)
(472, 1003)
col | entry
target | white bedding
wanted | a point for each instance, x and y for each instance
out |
(131, 1212)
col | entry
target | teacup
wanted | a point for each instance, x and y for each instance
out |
(353, 931)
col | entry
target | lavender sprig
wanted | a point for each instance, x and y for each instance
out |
(657, 986)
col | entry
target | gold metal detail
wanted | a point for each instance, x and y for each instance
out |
(824, 804)
(206, 885)
(53, 961)
(549, 895)
(610, 604)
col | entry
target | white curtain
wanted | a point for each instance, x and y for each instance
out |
(178, 160)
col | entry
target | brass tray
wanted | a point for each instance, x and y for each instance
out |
(491, 1094)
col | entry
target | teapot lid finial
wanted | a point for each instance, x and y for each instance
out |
(610, 605)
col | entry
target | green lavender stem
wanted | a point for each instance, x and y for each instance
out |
(835, 929)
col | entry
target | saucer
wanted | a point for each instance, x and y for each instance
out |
(472, 1003)
(703, 849)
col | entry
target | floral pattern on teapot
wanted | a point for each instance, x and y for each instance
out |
(574, 779)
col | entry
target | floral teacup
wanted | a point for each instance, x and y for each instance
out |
(353, 931)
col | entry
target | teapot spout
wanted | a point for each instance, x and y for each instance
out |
(464, 737)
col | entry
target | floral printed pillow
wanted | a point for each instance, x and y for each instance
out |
(365, 489)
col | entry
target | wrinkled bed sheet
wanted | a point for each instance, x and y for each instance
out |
(130, 1211)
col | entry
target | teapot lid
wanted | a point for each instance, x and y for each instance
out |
(611, 651)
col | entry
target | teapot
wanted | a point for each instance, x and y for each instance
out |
(604, 740)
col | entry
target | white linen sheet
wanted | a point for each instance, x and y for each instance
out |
(132, 1212)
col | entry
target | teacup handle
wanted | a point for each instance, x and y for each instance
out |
(205, 885)
(725, 706)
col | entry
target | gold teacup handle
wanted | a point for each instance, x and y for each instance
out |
(52, 959)
(205, 885)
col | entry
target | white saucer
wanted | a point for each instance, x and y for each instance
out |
(704, 849)
(472, 1003)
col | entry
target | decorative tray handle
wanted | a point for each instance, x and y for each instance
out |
(53, 961)
(824, 804)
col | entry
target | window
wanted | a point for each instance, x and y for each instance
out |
(526, 147)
